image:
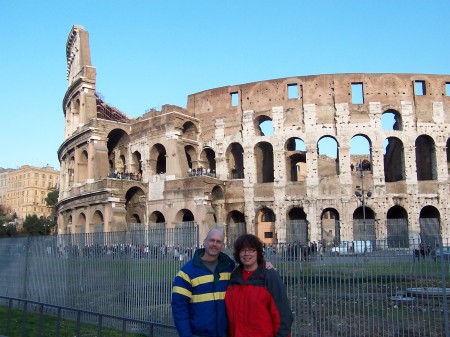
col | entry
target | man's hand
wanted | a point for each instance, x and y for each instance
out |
(269, 265)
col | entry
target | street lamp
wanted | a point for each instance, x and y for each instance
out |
(362, 198)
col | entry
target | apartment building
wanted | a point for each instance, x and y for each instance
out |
(27, 189)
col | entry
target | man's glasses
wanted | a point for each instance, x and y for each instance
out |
(247, 250)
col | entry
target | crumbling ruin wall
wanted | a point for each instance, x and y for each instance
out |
(215, 163)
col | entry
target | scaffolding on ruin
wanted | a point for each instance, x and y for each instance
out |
(104, 111)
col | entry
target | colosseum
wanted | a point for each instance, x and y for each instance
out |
(248, 158)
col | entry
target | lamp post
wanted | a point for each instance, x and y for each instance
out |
(362, 198)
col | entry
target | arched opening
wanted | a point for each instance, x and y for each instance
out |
(264, 162)
(158, 159)
(297, 226)
(83, 167)
(295, 154)
(328, 156)
(208, 161)
(330, 227)
(364, 224)
(135, 205)
(235, 159)
(117, 144)
(184, 225)
(425, 158)
(235, 226)
(184, 218)
(71, 170)
(217, 193)
(430, 227)
(157, 228)
(136, 165)
(97, 219)
(397, 227)
(265, 225)
(394, 160)
(81, 224)
(391, 120)
(70, 228)
(189, 131)
(97, 227)
(360, 153)
(121, 164)
(263, 126)
(191, 157)
(156, 218)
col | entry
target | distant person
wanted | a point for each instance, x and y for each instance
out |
(256, 301)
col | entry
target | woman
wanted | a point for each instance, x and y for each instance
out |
(256, 299)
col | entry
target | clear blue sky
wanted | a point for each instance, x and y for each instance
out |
(149, 53)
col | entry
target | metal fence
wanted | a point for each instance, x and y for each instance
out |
(387, 290)
(25, 318)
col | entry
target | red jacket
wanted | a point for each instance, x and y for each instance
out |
(258, 307)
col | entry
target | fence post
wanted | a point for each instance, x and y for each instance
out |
(444, 289)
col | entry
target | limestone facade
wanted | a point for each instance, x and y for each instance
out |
(4, 185)
(27, 188)
(214, 163)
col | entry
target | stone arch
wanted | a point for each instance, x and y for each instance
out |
(361, 148)
(364, 224)
(264, 162)
(190, 131)
(217, 193)
(191, 156)
(235, 226)
(80, 226)
(208, 160)
(297, 226)
(69, 228)
(136, 164)
(157, 160)
(157, 217)
(97, 221)
(330, 227)
(235, 161)
(265, 225)
(425, 158)
(430, 226)
(157, 229)
(295, 155)
(71, 170)
(394, 160)
(328, 156)
(263, 126)
(117, 145)
(135, 202)
(83, 166)
(391, 120)
(122, 163)
(184, 217)
(397, 227)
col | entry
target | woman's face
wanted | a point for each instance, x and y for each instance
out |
(248, 258)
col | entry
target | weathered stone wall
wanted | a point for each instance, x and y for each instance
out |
(250, 175)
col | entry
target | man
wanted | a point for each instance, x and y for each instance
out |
(198, 293)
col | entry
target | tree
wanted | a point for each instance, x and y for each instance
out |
(35, 226)
(52, 198)
(8, 231)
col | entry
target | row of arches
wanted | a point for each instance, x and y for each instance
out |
(295, 157)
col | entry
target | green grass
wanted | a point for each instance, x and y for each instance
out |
(68, 328)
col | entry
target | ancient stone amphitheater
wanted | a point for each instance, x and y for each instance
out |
(248, 158)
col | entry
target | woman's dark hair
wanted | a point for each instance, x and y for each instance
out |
(248, 241)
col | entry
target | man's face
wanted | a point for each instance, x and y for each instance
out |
(213, 244)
